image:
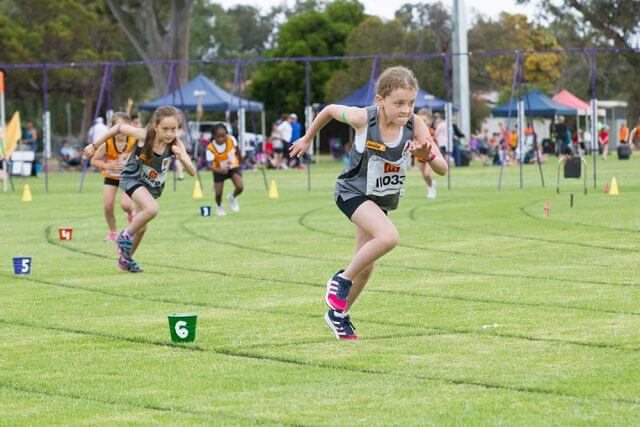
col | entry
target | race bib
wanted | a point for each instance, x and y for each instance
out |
(385, 177)
(152, 177)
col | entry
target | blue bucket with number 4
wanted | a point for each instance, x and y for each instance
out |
(22, 265)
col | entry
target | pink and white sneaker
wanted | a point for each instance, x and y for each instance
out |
(337, 292)
(340, 324)
(111, 237)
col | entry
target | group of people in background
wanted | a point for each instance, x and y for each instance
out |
(284, 132)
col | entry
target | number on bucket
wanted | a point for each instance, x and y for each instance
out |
(65, 233)
(205, 210)
(22, 265)
(181, 331)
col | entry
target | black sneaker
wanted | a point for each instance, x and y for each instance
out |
(337, 292)
(342, 327)
(124, 245)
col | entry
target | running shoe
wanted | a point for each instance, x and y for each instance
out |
(124, 246)
(431, 193)
(340, 324)
(131, 266)
(337, 292)
(220, 211)
(111, 237)
(233, 203)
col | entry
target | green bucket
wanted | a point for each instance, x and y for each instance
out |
(183, 327)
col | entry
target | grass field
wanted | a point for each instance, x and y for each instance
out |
(486, 313)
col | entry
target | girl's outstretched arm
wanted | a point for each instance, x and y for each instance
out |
(139, 133)
(353, 116)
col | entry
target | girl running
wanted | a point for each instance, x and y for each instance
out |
(387, 134)
(223, 158)
(145, 174)
(111, 158)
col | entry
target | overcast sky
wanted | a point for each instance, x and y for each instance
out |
(386, 9)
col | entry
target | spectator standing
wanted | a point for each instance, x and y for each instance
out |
(296, 133)
(30, 136)
(285, 130)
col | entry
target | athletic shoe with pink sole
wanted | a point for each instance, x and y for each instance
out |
(130, 266)
(124, 246)
(337, 292)
(111, 237)
(340, 324)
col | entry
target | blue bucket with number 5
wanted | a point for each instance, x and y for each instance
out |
(22, 265)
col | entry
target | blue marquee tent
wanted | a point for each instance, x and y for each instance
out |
(535, 104)
(215, 98)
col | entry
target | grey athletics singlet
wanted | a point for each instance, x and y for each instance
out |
(379, 171)
(151, 173)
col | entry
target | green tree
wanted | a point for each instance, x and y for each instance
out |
(604, 23)
(313, 33)
(512, 32)
(216, 32)
(159, 31)
(80, 31)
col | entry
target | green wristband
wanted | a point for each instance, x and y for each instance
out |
(344, 117)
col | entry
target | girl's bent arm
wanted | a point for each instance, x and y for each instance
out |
(426, 146)
(181, 153)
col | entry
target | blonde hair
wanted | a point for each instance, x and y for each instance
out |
(395, 78)
(119, 115)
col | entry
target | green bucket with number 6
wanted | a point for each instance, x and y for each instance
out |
(183, 327)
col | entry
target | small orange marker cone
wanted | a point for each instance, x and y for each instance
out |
(547, 209)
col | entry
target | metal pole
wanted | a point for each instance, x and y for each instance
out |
(67, 109)
(594, 138)
(308, 117)
(521, 137)
(461, 65)
(46, 126)
(3, 125)
(242, 130)
(264, 142)
(448, 111)
(594, 117)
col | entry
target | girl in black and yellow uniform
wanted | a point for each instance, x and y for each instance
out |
(223, 158)
(145, 174)
(111, 158)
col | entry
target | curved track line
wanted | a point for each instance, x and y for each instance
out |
(241, 354)
(406, 293)
(467, 272)
(523, 209)
(430, 330)
(528, 238)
